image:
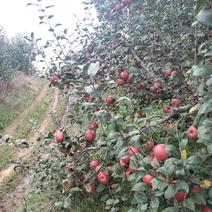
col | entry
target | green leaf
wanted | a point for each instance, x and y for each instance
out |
(205, 17)
(206, 107)
(170, 192)
(154, 203)
(137, 186)
(93, 69)
(189, 203)
(140, 198)
(201, 70)
(50, 6)
(170, 209)
(198, 198)
(182, 185)
(50, 16)
(158, 184)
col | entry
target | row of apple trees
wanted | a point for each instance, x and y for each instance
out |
(139, 132)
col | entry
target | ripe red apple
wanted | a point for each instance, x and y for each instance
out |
(167, 109)
(157, 85)
(90, 135)
(206, 209)
(88, 55)
(124, 75)
(63, 150)
(152, 89)
(141, 85)
(133, 150)
(93, 125)
(120, 82)
(130, 78)
(167, 72)
(126, 2)
(175, 102)
(161, 152)
(174, 73)
(124, 161)
(119, 7)
(55, 78)
(196, 189)
(131, 170)
(59, 136)
(147, 179)
(102, 178)
(93, 187)
(88, 98)
(192, 133)
(149, 145)
(93, 164)
(181, 196)
(109, 100)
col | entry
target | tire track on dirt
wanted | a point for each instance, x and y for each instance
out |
(9, 130)
(11, 200)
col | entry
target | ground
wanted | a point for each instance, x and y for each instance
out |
(40, 110)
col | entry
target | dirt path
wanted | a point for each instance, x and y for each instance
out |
(11, 200)
(9, 130)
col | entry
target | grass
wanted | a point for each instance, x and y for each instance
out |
(6, 153)
(19, 100)
(32, 121)
(25, 130)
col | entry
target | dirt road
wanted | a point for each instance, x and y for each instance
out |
(11, 200)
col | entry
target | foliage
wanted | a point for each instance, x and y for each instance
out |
(15, 55)
(139, 57)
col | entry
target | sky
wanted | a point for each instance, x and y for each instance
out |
(16, 17)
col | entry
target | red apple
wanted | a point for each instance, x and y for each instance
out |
(90, 135)
(141, 85)
(174, 73)
(119, 7)
(167, 109)
(93, 164)
(149, 145)
(124, 161)
(133, 150)
(152, 89)
(120, 82)
(206, 209)
(93, 125)
(126, 2)
(131, 170)
(130, 78)
(59, 136)
(175, 102)
(63, 150)
(88, 98)
(55, 78)
(196, 189)
(181, 196)
(109, 100)
(88, 55)
(161, 152)
(192, 133)
(167, 73)
(124, 75)
(102, 178)
(147, 179)
(93, 187)
(157, 85)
